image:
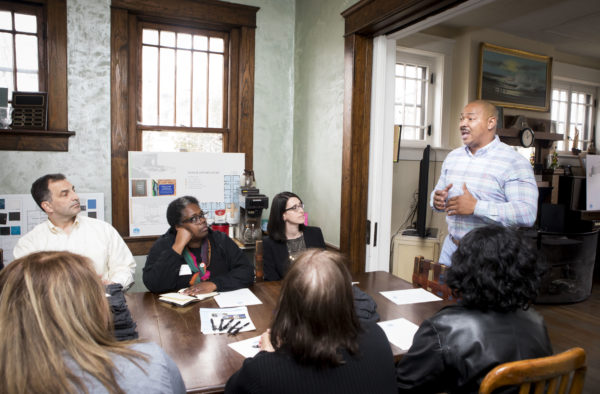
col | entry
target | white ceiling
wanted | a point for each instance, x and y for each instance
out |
(571, 26)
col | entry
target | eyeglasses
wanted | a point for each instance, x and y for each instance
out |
(294, 207)
(194, 219)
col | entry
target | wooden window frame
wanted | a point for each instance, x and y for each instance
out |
(56, 138)
(238, 20)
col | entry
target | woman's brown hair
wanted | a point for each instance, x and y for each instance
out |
(315, 316)
(53, 306)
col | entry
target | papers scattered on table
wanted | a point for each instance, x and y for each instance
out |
(410, 296)
(248, 347)
(237, 298)
(399, 332)
(184, 299)
(225, 320)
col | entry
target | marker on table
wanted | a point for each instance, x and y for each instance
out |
(221, 325)
(233, 327)
(228, 323)
(239, 329)
(212, 323)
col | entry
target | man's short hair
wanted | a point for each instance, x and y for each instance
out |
(39, 189)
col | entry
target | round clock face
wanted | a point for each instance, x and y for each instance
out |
(526, 137)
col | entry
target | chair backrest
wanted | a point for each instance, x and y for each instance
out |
(431, 276)
(544, 374)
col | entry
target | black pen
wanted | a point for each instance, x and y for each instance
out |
(233, 327)
(228, 323)
(221, 325)
(212, 323)
(239, 329)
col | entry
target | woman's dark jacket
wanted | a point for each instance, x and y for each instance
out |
(276, 258)
(454, 350)
(229, 268)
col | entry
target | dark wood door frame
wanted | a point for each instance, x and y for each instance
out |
(363, 21)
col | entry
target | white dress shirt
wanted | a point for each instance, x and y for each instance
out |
(89, 237)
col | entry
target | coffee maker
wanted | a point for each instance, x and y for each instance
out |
(252, 204)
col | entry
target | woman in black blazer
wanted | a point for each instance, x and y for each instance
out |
(288, 236)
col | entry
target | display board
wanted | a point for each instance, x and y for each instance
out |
(19, 214)
(157, 178)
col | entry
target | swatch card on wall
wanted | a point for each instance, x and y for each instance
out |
(19, 214)
(156, 179)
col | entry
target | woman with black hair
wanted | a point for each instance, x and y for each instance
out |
(288, 236)
(190, 255)
(495, 276)
(316, 343)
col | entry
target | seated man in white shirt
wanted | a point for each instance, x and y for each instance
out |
(66, 230)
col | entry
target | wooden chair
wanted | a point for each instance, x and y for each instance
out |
(545, 374)
(423, 270)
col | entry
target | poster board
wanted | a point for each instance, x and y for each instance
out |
(19, 214)
(157, 178)
(592, 187)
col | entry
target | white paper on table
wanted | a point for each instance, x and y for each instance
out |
(248, 347)
(236, 298)
(399, 332)
(216, 314)
(410, 296)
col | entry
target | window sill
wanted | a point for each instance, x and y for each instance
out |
(35, 140)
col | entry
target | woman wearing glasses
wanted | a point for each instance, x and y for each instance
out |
(192, 256)
(288, 236)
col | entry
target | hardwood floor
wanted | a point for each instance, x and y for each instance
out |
(577, 324)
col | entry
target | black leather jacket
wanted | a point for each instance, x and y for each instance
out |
(454, 350)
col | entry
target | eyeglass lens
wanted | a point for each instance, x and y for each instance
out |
(194, 219)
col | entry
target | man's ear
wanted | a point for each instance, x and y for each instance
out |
(492, 122)
(46, 207)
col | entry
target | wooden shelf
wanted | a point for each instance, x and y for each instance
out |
(35, 140)
(539, 135)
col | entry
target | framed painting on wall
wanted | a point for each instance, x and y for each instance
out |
(514, 78)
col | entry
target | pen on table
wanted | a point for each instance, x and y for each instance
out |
(228, 323)
(221, 325)
(234, 326)
(212, 323)
(239, 329)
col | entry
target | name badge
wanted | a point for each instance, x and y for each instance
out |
(184, 270)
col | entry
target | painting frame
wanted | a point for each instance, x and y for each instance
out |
(513, 78)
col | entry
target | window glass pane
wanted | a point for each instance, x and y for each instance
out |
(409, 115)
(399, 91)
(201, 43)
(150, 36)
(399, 70)
(411, 71)
(5, 20)
(149, 85)
(216, 44)
(184, 87)
(399, 114)
(6, 52)
(410, 95)
(563, 95)
(167, 38)
(215, 90)
(409, 133)
(554, 94)
(199, 102)
(184, 41)
(172, 141)
(25, 23)
(28, 82)
(27, 53)
(167, 87)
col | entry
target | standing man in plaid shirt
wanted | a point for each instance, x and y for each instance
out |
(483, 182)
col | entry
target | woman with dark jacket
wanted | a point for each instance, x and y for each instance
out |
(190, 255)
(316, 343)
(288, 236)
(495, 276)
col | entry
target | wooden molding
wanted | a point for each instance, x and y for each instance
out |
(363, 21)
(140, 246)
(35, 140)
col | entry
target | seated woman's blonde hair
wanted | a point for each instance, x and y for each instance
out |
(53, 306)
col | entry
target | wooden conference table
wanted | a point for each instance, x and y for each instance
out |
(206, 362)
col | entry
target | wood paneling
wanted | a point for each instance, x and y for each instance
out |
(57, 65)
(363, 21)
(35, 140)
(246, 94)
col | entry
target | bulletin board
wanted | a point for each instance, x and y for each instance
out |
(592, 170)
(19, 214)
(157, 178)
